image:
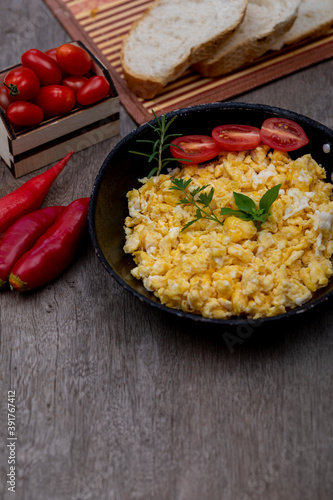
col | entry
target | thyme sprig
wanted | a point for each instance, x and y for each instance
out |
(247, 207)
(160, 144)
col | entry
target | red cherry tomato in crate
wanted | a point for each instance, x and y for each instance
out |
(4, 99)
(24, 114)
(55, 100)
(52, 53)
(96, 88)
(283, 134)
(236, 137)
(74, 82)
(46, 68)
(198, 148)
(73, 59)
(22, 84)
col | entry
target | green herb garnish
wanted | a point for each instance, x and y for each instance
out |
(192, 198)
(159, 146)
(247, 207)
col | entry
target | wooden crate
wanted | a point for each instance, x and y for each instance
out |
(33, 148)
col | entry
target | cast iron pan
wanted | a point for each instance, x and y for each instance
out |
(121, 170)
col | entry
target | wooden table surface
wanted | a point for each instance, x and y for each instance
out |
(116, 400)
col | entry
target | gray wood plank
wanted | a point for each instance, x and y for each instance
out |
(118, 401)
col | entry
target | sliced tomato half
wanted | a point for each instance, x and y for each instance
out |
(236, 137)
(283, 134)
(198, 148)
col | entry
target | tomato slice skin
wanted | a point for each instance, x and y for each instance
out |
(234, 137)
(283, 134)
(198, 148)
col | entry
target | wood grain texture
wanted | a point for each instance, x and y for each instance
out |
(119, 401)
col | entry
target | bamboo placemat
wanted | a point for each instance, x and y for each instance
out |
(102, 24)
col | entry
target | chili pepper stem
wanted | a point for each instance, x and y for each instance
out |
(16, 283)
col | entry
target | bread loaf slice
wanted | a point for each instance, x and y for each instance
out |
(173, 34)
(264, 23)
(315, 18)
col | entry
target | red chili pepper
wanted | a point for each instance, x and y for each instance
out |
(29, 196)
(22, 235)
(53, 251)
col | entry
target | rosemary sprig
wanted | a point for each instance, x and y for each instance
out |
(159, 145)
(247, 207)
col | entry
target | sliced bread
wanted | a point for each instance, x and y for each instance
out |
(315, 18)
(173, 34)
(264, 23)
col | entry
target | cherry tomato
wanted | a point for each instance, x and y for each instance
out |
(74, 82)
(55, 100)
(283, 134)
(52, 53)
(46, 68)
(93, 90)
(22, 84)
(236, 137)
(198, 148)
(73, 60)
(24, 114)
(4, 99)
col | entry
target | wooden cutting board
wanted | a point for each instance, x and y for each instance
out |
(102, 24)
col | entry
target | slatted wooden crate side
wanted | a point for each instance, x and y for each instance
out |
(27, 150)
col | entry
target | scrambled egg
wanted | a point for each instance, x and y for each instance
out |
(220, 271)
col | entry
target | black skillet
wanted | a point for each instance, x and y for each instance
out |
(121, 170)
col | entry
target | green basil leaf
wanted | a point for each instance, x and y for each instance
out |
(231, 211)
(259, 217)
(244, 216)
(244, 203)
(269, 197)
